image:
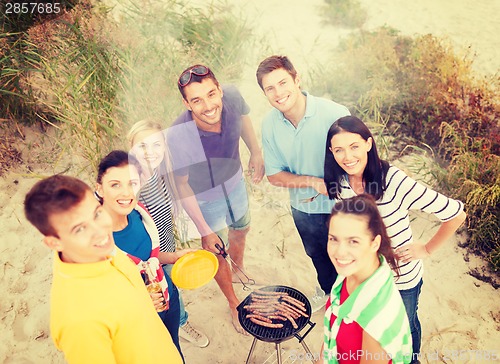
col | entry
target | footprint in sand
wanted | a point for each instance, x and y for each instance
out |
(20, 317)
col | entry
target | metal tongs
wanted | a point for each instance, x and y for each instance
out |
(232, 264)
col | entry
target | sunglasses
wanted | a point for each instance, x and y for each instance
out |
(187, 74)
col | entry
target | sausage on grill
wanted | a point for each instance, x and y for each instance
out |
(266, 324)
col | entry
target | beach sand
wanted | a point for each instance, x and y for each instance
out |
(460, 315)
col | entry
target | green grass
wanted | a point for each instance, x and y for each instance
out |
(17, 59)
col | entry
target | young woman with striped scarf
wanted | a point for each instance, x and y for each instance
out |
(353, 167)
(365, 318)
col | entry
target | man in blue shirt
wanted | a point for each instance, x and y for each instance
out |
(204, 145)
(293, 140)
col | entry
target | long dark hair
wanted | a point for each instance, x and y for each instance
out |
(365, 205)
(376, 168)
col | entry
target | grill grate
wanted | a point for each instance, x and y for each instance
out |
(275, 335)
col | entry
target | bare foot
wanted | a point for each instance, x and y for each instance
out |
(236, 322)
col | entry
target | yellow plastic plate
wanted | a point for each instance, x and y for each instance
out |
(194, 269)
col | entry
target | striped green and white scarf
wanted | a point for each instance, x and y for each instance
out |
(377, 307)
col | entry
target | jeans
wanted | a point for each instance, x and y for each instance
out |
(313, 231)
(167, 269)
(410, 300)
(170, 317)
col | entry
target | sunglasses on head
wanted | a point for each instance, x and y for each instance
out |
(197, 70)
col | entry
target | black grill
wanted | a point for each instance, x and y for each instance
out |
(276, 335)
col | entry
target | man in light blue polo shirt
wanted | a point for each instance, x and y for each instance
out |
(293, 140)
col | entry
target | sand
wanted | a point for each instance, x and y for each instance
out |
(460, 315)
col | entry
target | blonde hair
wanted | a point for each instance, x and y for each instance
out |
(143, 125)
(156, 124)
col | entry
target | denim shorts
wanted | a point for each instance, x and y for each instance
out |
(231, 212)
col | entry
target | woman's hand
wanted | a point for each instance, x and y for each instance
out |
(171, 257)
(413, 251)
(180, 253)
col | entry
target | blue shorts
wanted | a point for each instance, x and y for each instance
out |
(230, 213)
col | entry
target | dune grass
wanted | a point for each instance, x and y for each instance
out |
(91, 76)
(165, 38)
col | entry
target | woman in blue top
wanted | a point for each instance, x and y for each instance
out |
(134, 230)
(353, 167)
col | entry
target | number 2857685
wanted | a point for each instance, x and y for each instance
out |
(32, 8)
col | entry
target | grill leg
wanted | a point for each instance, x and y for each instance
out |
(278, 351)
(306, 348)
(251, 350)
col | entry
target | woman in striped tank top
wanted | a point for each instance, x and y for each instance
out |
(147, 142)
(352, 167)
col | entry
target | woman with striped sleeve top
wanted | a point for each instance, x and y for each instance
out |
(353, 167)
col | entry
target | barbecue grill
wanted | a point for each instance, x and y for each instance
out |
(277, 335)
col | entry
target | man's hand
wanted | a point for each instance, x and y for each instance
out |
(319, 185)
(158, 300)
(209, 241)
(256, 167)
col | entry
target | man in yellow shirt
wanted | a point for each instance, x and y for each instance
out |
(100, 309)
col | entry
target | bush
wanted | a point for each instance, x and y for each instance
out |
(346, 13)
